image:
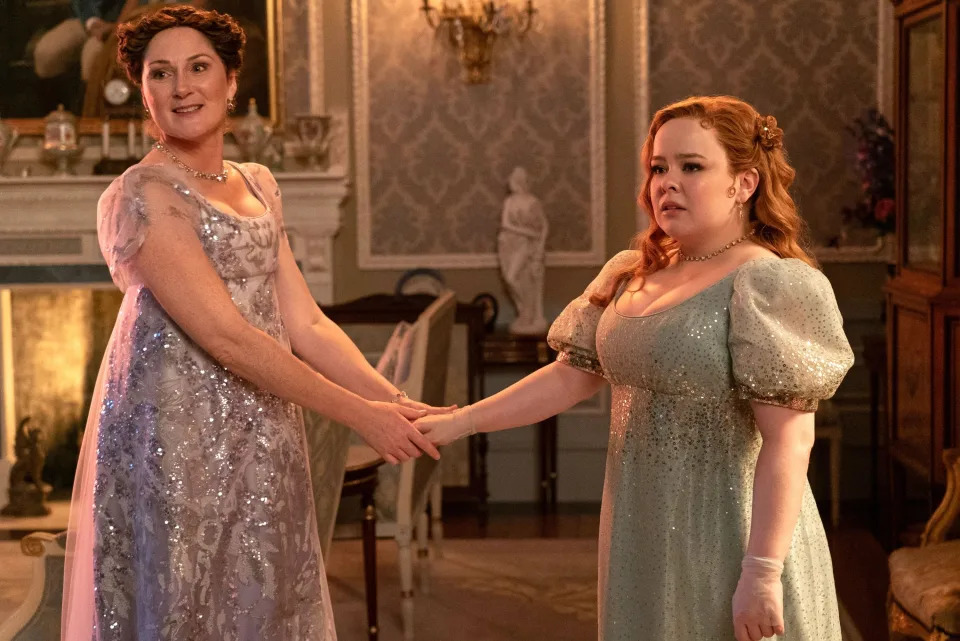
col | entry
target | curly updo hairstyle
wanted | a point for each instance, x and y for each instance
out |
(223, 32)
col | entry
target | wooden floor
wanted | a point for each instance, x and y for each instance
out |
(859, 561)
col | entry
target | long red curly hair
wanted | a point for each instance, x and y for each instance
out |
(750, 141)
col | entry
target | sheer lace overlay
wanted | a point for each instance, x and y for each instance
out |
(192, 515)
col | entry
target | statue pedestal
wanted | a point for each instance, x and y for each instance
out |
(26, 499)
(536, 329)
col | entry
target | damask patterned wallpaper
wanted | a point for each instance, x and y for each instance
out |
(810, 63)
(440, 150)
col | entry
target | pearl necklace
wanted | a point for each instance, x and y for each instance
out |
(716, 253)
(196, 173)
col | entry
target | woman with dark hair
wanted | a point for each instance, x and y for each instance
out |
(718, 335)
(193, 515)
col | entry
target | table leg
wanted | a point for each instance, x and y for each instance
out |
(370, 561)
(483, 513)
(547, 437)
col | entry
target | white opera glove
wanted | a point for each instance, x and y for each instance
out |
(758, 600)
(442, 429)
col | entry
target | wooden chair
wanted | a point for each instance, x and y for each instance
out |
(327, 450)
(924, 597)
(367, 319)
(418, 482)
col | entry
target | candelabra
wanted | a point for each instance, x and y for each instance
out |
(473, 29)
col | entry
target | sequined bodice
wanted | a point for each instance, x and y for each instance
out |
(679, 351)
(239, 247)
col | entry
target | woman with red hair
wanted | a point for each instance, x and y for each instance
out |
(718, 335)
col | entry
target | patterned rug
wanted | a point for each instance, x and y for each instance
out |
(482, 590)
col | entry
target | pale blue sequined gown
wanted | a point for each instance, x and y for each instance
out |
(683, 446)
(202, 504)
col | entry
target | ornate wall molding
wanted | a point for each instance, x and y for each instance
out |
(472, 190)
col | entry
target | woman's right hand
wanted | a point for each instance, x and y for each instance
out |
(443, 429)
(758, 600)
(387, 429)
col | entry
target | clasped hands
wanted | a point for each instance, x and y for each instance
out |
(389, 428)
(403, 429)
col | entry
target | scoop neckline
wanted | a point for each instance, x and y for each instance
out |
(733, 272)
(252, 187)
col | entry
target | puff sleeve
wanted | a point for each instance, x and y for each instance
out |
(786, 335)
(574, 333)
(126, 209)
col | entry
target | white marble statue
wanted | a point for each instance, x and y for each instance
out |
(520, 248)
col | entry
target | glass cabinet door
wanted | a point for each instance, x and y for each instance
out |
(924, 42)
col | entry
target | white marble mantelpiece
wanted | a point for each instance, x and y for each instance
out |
(46, 221)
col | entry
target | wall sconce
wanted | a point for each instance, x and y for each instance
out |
(473, 29)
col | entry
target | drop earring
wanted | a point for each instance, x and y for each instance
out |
(740, 211)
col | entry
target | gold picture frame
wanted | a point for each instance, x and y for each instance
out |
(262, 69)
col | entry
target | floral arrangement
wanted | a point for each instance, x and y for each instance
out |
(876, 206)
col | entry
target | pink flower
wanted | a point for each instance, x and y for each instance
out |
(883, 209)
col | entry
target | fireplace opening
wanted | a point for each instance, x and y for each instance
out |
(52, 339)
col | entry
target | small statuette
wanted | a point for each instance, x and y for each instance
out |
(28, 492)
(521, 251)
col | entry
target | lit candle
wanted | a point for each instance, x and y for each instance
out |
(131, 139)
(105, 138)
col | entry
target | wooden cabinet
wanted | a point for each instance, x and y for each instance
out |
(923, 298)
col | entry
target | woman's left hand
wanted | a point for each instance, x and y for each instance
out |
(423, 407)
(758, 600)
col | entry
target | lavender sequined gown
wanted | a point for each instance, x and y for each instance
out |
(683, 446)
(202, 505)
